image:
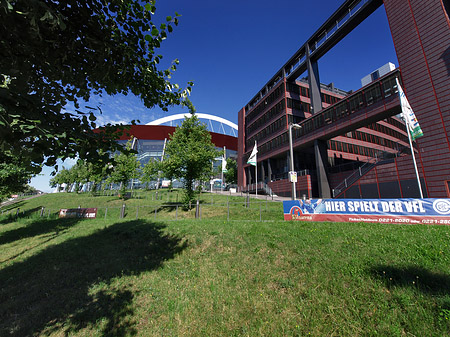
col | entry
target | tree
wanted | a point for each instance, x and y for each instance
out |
(29, 189)
(97, 172)
(62, 177)
(150, 171)
(189, 153)
(231, 174)
(57, 52)
(125, 168)
(13, 179)
(79, 173)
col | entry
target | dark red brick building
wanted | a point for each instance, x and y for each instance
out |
(421, 34)
(341, 132)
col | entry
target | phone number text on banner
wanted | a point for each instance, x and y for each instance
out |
(410, 211)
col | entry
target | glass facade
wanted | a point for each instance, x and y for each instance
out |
(149, 149)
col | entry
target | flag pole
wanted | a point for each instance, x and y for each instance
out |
(253, 160)
(413, 157)
(223, 159)
(412, 125)
(256, 170)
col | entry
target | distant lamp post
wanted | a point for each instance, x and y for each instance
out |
(292, 175)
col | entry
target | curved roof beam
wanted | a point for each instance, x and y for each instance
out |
(199, 115)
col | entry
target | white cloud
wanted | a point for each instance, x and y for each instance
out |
(103, 120)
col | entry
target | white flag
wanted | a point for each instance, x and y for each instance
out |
(252, 159)
(224, 165)
(408, 114)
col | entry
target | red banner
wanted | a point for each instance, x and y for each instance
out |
(89, 213)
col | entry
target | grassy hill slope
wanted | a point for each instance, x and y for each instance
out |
(212, 277)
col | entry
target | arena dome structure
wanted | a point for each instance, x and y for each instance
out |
(213, 122)
(150, 139)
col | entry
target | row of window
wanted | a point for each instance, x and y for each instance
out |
(329, 99)
(388, 131)
(304, 91)
(279, 124)
(332, 144)
(373, 94)
(294, 119)
(275, 110)
(263, 104)
(345, 108)
(395, 122)
(146, 148)
(274, 143)
(336, 145)
(294, 104)
(291, 104)
(297, 105)
(351, 148)
(297, 89)
(367, 137)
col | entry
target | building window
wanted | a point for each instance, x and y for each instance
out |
(375, 75)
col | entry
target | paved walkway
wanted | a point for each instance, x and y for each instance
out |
(10, 202)
(259, 196)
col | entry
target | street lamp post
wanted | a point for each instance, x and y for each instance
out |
(291, 152)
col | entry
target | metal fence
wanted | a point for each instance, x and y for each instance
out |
(249, 209)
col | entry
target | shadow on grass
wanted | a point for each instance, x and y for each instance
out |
(411, 276)
(13, 215)
(38, 227)
(11, 208)
(77, 284)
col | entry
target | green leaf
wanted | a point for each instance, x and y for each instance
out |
(100, 57)
(150, 8)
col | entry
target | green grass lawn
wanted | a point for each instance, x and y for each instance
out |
(158, 205)
(212, 277)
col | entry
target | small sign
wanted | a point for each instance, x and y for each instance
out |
(89, 213)
(293, 176)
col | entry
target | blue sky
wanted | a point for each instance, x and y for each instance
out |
(230, 49)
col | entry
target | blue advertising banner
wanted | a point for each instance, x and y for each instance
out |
(413, 211)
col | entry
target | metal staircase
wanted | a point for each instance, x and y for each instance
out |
(262, 188)
(355, 176)
(381, 158)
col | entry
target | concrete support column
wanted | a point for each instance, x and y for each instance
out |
(320, 147)
(243, 178)
(320, 152)
(314, 83)
(269, 169)
(288, 161)
(263, 172)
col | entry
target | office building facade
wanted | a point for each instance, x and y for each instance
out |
(329, 162)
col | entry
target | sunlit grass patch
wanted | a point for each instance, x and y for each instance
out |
(213, 277)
